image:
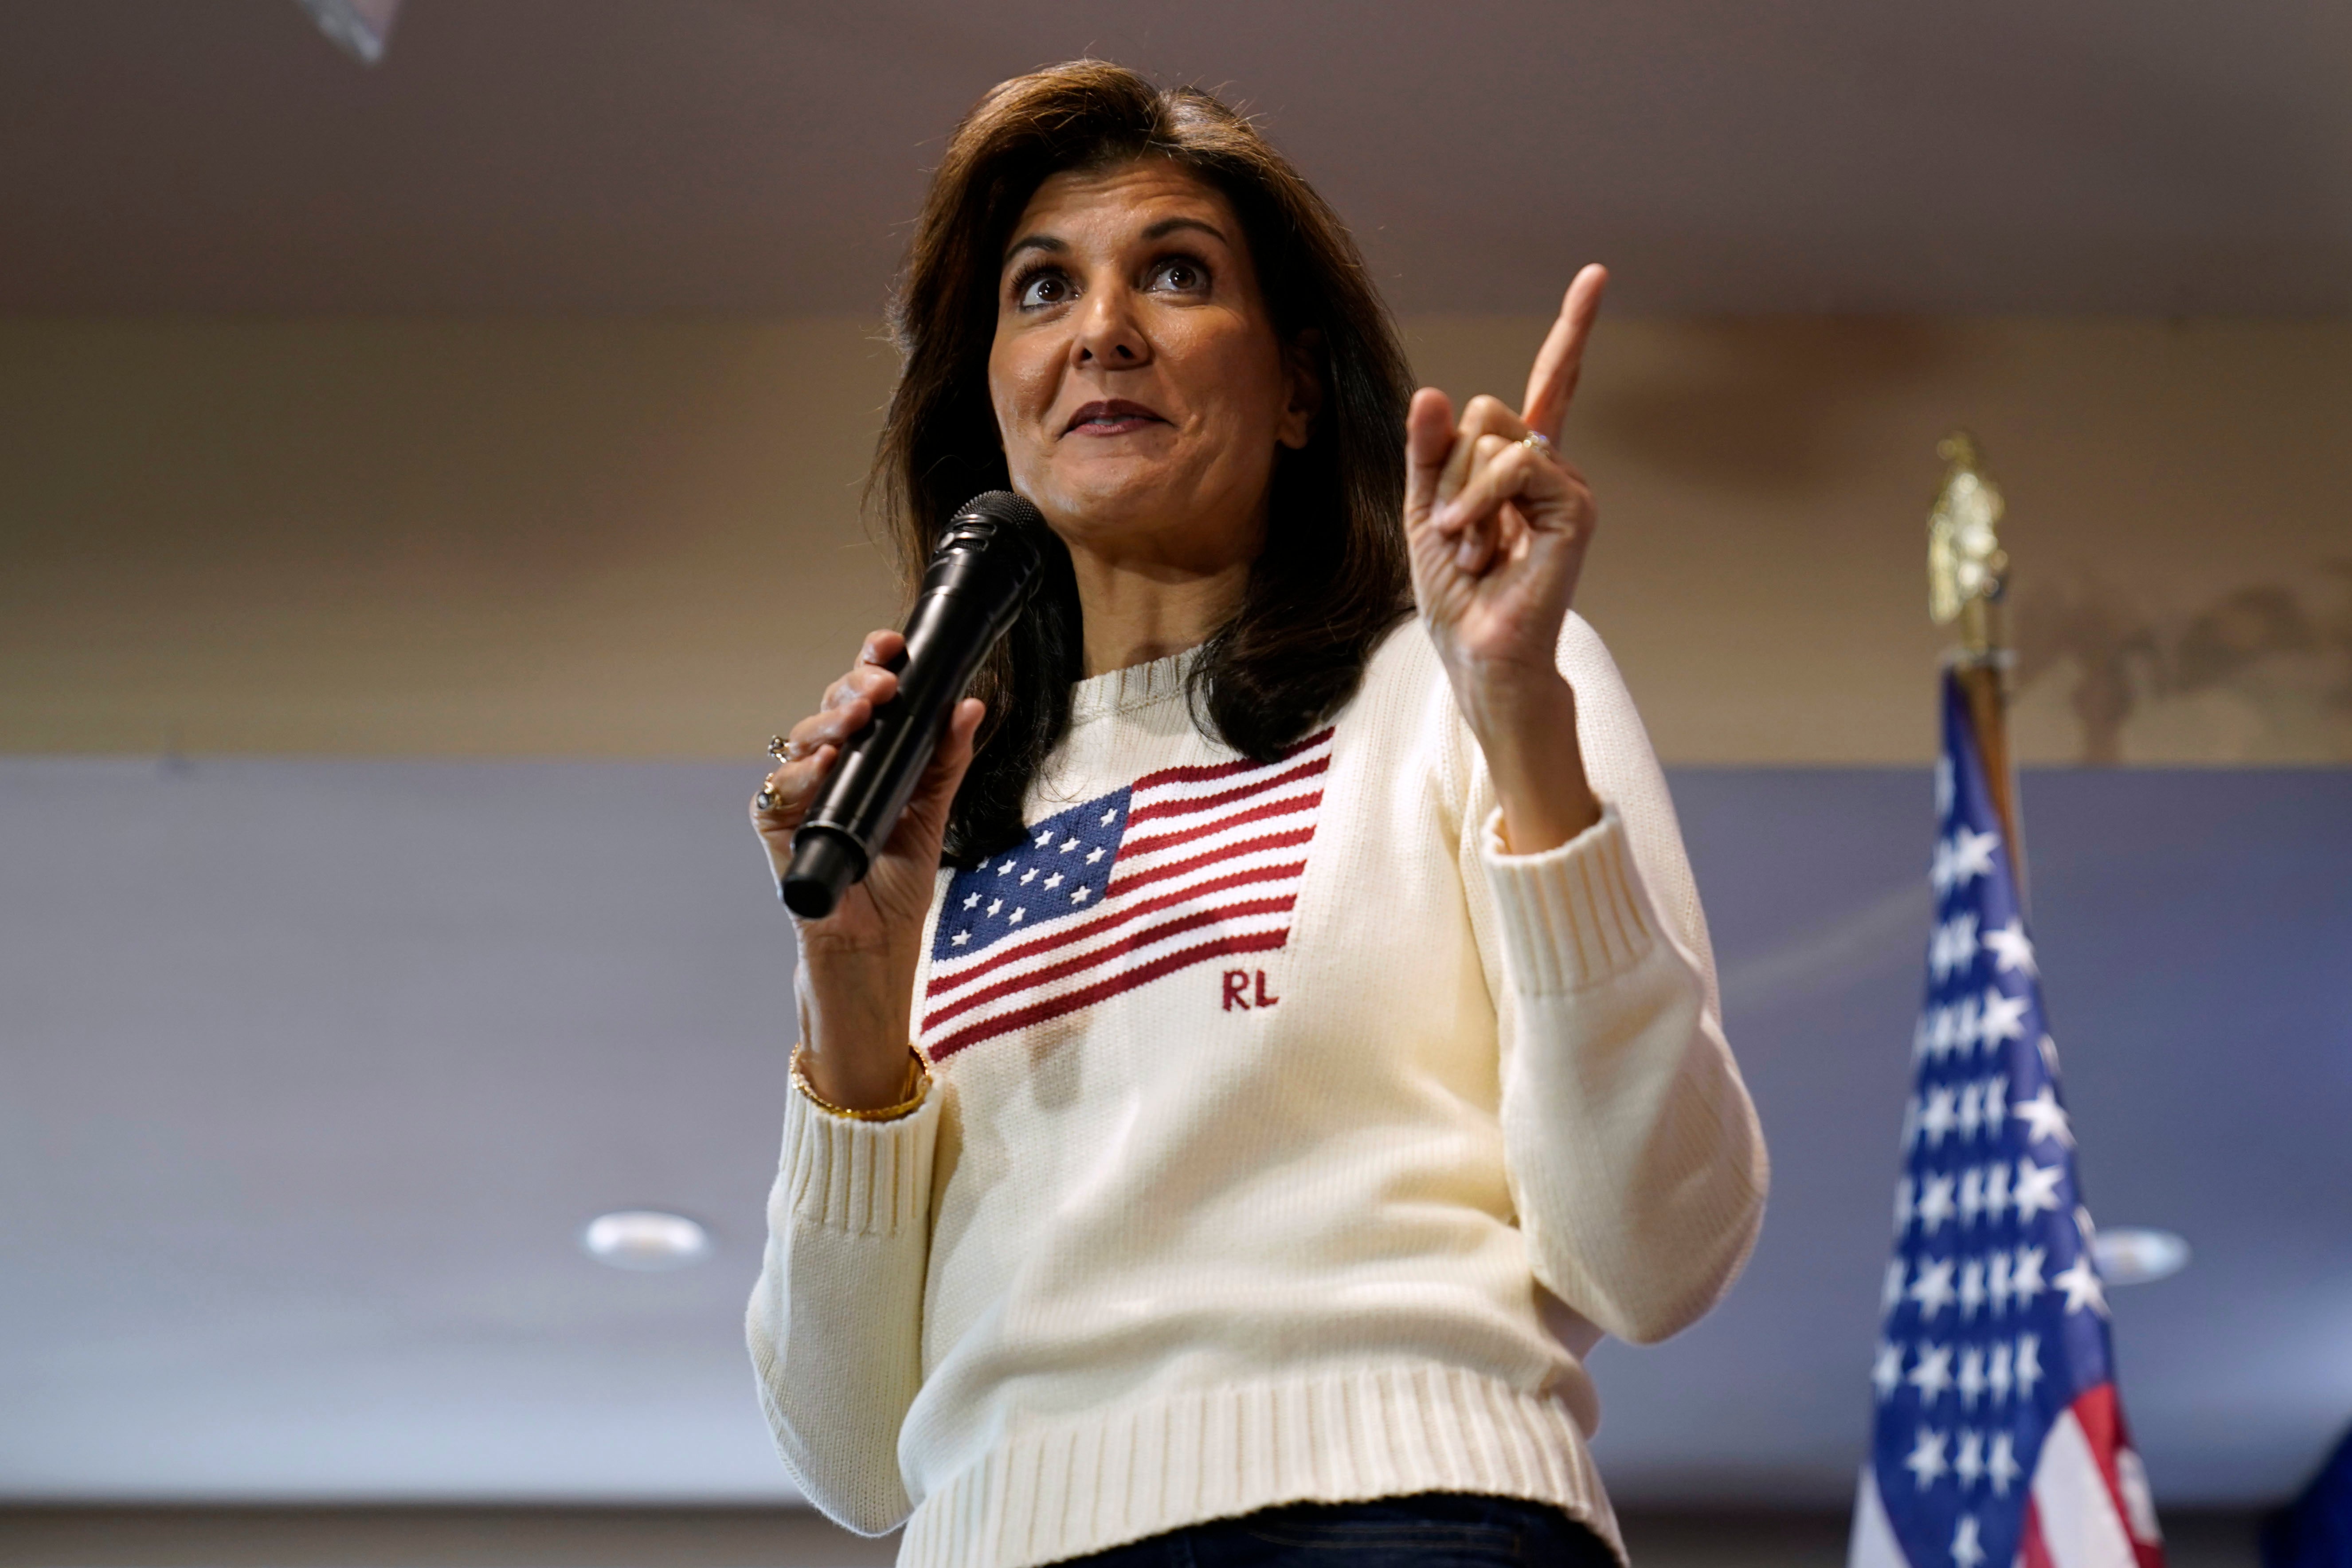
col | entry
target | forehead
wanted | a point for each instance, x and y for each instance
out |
(1111, 205)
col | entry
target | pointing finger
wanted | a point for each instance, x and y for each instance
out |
(1552, 383)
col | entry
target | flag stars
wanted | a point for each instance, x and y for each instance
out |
(1941, 1115)
(2045, 1120)
(1004, 869)
(1045, 838)
(2026, 1369)
(1971, 1195)
(1110, 816)
(1997, 1372)
(1973, 1288)
(1078, 896)
(1935, 1203)
(1054, 880)
(1997, 1278)
(1014, 917)
(1925, 1462)
(1933, 1289)
(959, 937)
(1968, 1551)
(1967, 1463)
(1094, 854)
(1995, 1192)
(994, 905)
(1971, 1382)
(2010, 948)
(969, 902)
(2004, 1018)
(2036, 1191)
(1931, 1373)
(1029, 876)
(2081, 1283)
(2025, 1280)
(2001, 1467)
(1886, 1370)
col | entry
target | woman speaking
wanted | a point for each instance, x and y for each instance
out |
(1280, 1038)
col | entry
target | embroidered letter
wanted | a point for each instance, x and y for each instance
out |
(1263, 999)
(1237, 989)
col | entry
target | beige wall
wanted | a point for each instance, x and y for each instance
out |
(639, 538)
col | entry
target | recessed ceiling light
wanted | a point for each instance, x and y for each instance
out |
(646, 1239)
(2134, 1255)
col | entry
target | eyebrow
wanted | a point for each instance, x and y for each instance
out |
(1159, 230)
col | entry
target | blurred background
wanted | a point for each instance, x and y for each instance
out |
(430, 446)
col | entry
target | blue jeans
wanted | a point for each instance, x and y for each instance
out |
(1434, 1530)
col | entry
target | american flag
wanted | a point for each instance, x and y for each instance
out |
(1180, 866)
(1998, 1437)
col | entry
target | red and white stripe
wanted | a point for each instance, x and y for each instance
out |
(2090, 1506)
(1208, 864)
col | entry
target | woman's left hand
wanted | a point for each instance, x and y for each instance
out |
(1496, 526)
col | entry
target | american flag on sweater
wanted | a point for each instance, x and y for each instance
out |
(1180, 866)
(1998, 1437)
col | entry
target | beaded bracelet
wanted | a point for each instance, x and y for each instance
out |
(911, 1097)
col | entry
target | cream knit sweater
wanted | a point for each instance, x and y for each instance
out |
(1287, 1140)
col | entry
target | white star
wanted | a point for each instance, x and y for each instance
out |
(1014, 917)
(1933, 1288)
(1108, 815)
(1972, 855)
(1054, 880)
(1887, 1370)
(1926, 1461)
(1972, 1287)
(972, 900)
(1901, 1207)
(2036, 1190)
(1969, 1463)
(1972, 1377)
(1997, 1278)
(959, 939)
(1964, 1024)
(1940, 1117)
(1996, 1191)
(2045, 1120)
(1004, 869)
(2028, 1368)
(2012, 948)
(1094, 854)
(1892, 1291)
(1939, 1032)
(994, 905)
(2004, 1018)
(1029, 876)
(1078, 896)
(1935, 1203)
(2025, 1277)
(1995, 1104)
(1045, 838)
(2081, 1283)
(1067, 845)
(1972, 1193)
(1954, 945)
(1967, 1550)
(1971, 1109)
(1997, 1372)
(2001, 1467)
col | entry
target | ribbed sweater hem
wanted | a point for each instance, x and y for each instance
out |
(1065, 1488)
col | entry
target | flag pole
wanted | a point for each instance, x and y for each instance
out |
(1968, 583)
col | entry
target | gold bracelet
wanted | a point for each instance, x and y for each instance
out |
(910, 1094)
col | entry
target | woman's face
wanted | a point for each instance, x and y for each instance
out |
(1140, 387)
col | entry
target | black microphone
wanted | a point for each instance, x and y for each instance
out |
(976, 583)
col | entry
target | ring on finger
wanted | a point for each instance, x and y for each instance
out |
(1535, 440)
(767, 799)
(785, 749)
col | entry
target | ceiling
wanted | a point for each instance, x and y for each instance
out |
(314, 1071)
(2151, 156)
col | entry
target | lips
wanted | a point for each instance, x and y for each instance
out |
(1115, 417)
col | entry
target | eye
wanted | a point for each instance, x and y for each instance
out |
(1179, 275)
(1040, 288)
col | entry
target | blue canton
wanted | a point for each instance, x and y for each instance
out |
(1995, 1321)
(1057, 872)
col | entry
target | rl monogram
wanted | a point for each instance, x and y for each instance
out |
(1237, 990)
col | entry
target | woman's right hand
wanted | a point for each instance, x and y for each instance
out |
(857, 978)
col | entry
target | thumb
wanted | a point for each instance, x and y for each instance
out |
(1428, 441)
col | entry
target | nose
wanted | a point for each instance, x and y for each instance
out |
(1109, 338)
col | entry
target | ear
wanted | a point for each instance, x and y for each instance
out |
(1302, 375)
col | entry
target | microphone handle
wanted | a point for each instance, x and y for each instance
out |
(948, 636)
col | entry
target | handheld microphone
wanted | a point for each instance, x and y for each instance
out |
(976, 583)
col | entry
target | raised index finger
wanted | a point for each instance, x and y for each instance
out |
(1552, 383)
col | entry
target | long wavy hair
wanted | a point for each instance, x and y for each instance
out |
(1331, 579)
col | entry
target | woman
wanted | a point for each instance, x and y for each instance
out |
(1315, 1039)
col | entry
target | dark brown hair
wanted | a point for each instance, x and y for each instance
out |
(1331, 578)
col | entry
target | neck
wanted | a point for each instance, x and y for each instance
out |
(1137, 611)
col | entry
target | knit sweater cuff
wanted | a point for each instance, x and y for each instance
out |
(1572, 917)
(864, 1178)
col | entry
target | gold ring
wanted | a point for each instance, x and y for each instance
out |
(781, 747)
(1538, 441)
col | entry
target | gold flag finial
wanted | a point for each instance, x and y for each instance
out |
(1967, 569)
